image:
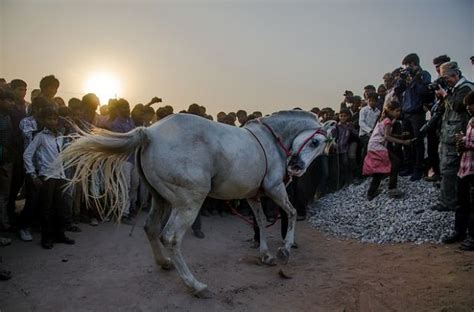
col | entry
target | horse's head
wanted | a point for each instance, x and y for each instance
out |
(308, 145)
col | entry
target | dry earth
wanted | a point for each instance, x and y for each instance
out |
(108, 270)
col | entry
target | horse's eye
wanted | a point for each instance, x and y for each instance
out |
(314, 142)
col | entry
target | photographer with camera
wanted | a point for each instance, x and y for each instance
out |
(347, 102)
(433, 126)
(454, 121)
(413, 82)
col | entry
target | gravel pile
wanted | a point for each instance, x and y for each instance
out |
(348, 214)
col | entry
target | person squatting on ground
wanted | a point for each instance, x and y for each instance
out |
(379, 160)
(464, 218)
(40, 159)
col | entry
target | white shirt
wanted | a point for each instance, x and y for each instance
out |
(44, 149)
(367, 118)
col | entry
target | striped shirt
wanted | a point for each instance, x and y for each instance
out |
(467, 159)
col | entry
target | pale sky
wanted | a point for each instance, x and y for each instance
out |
(229, 55)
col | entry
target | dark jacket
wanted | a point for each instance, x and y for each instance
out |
(455, 116)
(416, 93)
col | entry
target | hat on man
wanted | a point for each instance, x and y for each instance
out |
(449, 69)
(348, 93)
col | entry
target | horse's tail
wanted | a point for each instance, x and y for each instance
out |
(98, 161)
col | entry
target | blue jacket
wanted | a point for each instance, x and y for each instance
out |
(415, 94)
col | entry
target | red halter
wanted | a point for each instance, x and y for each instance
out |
(286, 150)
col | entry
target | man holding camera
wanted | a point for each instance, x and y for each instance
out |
(413, 82)
(433, 126)
(454, 121)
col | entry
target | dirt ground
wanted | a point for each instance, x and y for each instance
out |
(108, 270)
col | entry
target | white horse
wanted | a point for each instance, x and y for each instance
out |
(184, 158)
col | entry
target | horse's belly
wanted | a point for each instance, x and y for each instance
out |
(233, 188)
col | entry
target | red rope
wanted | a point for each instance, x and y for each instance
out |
(250, 221)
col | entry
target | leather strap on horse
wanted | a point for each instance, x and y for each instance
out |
(264, 153)
(249, 221)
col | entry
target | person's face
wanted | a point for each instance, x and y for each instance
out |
(388, 81)
(470, 109)
(451, 80)
(343, 118)
(242, 118)
(20, 92)
(35, 93)
(437, 66)
(123, 110)
(51, 122)
(395, 113)
(372, 102)
(49, 92)
(104, 110)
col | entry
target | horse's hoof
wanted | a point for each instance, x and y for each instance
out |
(268, 260)
(204, 293)
(283, 255)
(167, 266)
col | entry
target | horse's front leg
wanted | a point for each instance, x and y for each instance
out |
(280, 197)
(267, 257)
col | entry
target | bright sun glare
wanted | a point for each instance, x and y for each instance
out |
(104, 85)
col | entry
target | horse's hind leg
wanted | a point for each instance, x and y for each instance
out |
(280, 197)
(267, 257)
(180, 221)
(154, 223)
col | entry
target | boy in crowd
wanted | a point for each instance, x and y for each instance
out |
(49, 86)
(368, 117)
(345, 134)
(40, 158)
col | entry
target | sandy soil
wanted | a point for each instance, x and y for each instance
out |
(108, 270)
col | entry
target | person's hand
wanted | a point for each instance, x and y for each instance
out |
(460, 144)
(441, 93)
(37, 182)
(408, 142)
(156, 100)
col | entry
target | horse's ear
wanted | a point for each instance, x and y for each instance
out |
(329, 125)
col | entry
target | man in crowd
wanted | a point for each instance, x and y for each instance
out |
(454, 121)
(414, 83)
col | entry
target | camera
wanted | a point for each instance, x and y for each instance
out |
(437, 111)
(437, 84)
(406, 72)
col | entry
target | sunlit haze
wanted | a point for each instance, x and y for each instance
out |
(226, 55)
(105, 85)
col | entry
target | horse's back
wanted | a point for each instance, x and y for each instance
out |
(196, 153)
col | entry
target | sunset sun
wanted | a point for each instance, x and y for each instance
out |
(104, 85)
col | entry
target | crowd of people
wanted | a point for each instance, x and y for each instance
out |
(410, 125)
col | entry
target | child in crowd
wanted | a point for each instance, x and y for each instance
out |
(464, 219)
(40, 158)
(379, 160)
(345, 134)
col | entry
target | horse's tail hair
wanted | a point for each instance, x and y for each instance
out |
(98, 161)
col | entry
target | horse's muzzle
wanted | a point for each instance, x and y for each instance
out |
(296, 167)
